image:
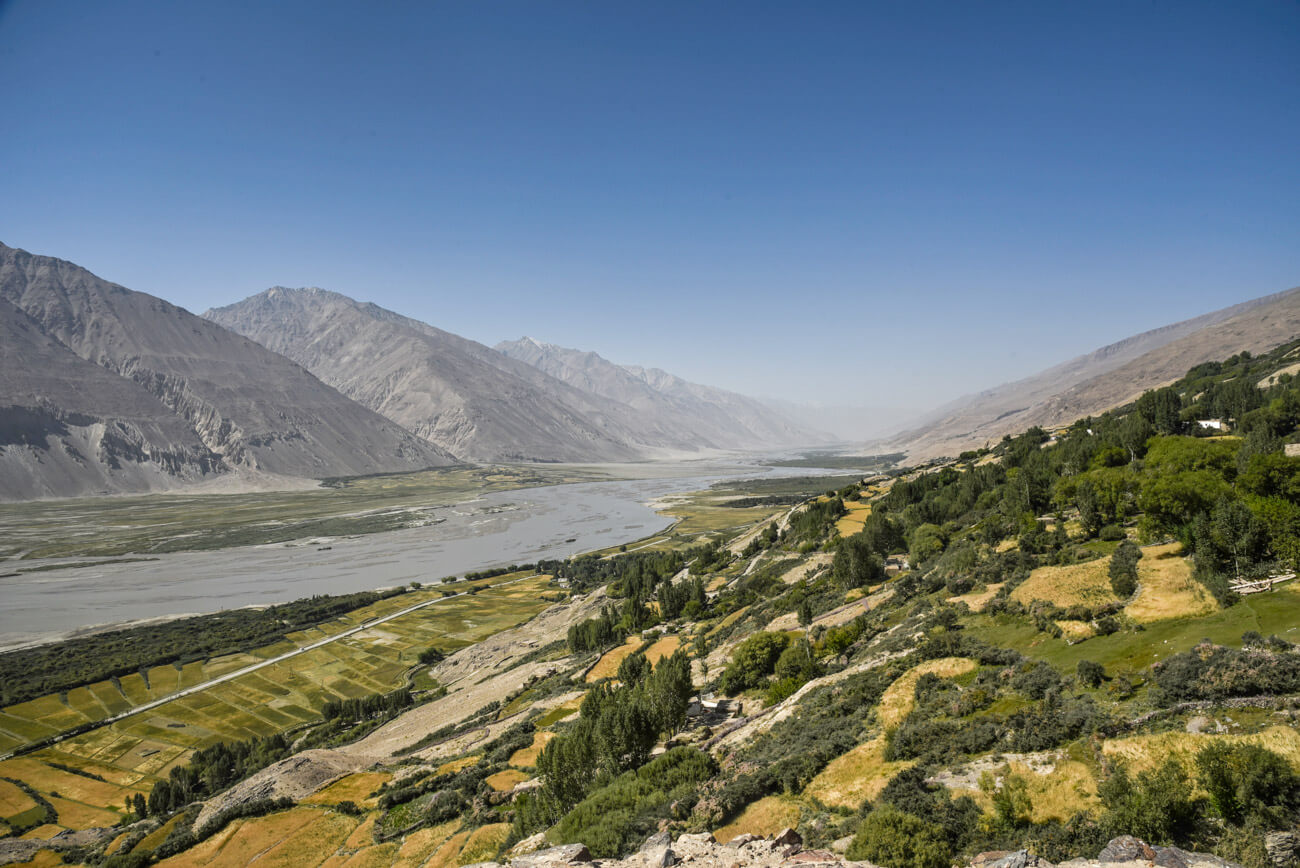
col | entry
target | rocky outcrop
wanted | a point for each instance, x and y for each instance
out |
(105, 390)
(293, 778)
(786, 849)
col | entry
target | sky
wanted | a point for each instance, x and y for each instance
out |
(871, 205)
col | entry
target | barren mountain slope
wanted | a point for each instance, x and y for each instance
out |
(235, 405)
(714, 417)
(1105, 378)
(449, 390)
(68, 426)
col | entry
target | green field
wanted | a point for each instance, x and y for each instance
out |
(132, 754)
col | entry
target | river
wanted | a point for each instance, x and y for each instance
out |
(519, 526)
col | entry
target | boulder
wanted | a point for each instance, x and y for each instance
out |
(657, 840)
(531, 844)
(741, 840)
(1126, 848)
(1283, 848)
(788, 837)
(812, 857)
(564, 855)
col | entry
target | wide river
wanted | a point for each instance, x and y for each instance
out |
(520, 526)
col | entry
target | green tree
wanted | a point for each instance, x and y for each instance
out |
(928, 541)
(1123, 569)
(753, 660)
(856, 565)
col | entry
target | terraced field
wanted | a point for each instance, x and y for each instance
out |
(132, 754)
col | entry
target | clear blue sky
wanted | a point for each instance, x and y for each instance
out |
(859, 203)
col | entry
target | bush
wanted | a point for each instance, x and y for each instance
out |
(1111, 533)
(1248, 783)
(894, 839)
(619, 816)
(1217, 672)
(1090, 673)
(1156, 806)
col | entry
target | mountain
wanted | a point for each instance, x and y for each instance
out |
(454, 392)
(106, 390)
(712, 417)
(1103, 379)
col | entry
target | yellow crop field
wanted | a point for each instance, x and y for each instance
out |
(155, 838)
(856, 777)
(1147, 751)
(765, 817)
(13, 801)
(43, 833)
(856, 518)
(977, 600)
(311, 844)
(1166, 588)
(457, 764)
(77, 815)
(423, 843)
(1057, 795)
(374, 856)
(507, 780)
(526, 757)
(297, 837)
(1073, 585)
(900, 697)
(46, 779)
(729, 620)
(483, 843)
(355, 788)
(607, 665)
(445, 855)
(664, 647)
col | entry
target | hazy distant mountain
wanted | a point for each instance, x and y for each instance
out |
(454, 392)
(712, 417)
(1105, 378)
(103, 390)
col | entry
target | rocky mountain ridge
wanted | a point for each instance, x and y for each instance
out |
(713, 417)
(106, 390)
(1101, 380)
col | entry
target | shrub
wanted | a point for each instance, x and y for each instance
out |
(894, 839)
(1156, 806)
(1249, 783)
(616, 817)
(1090, 673)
